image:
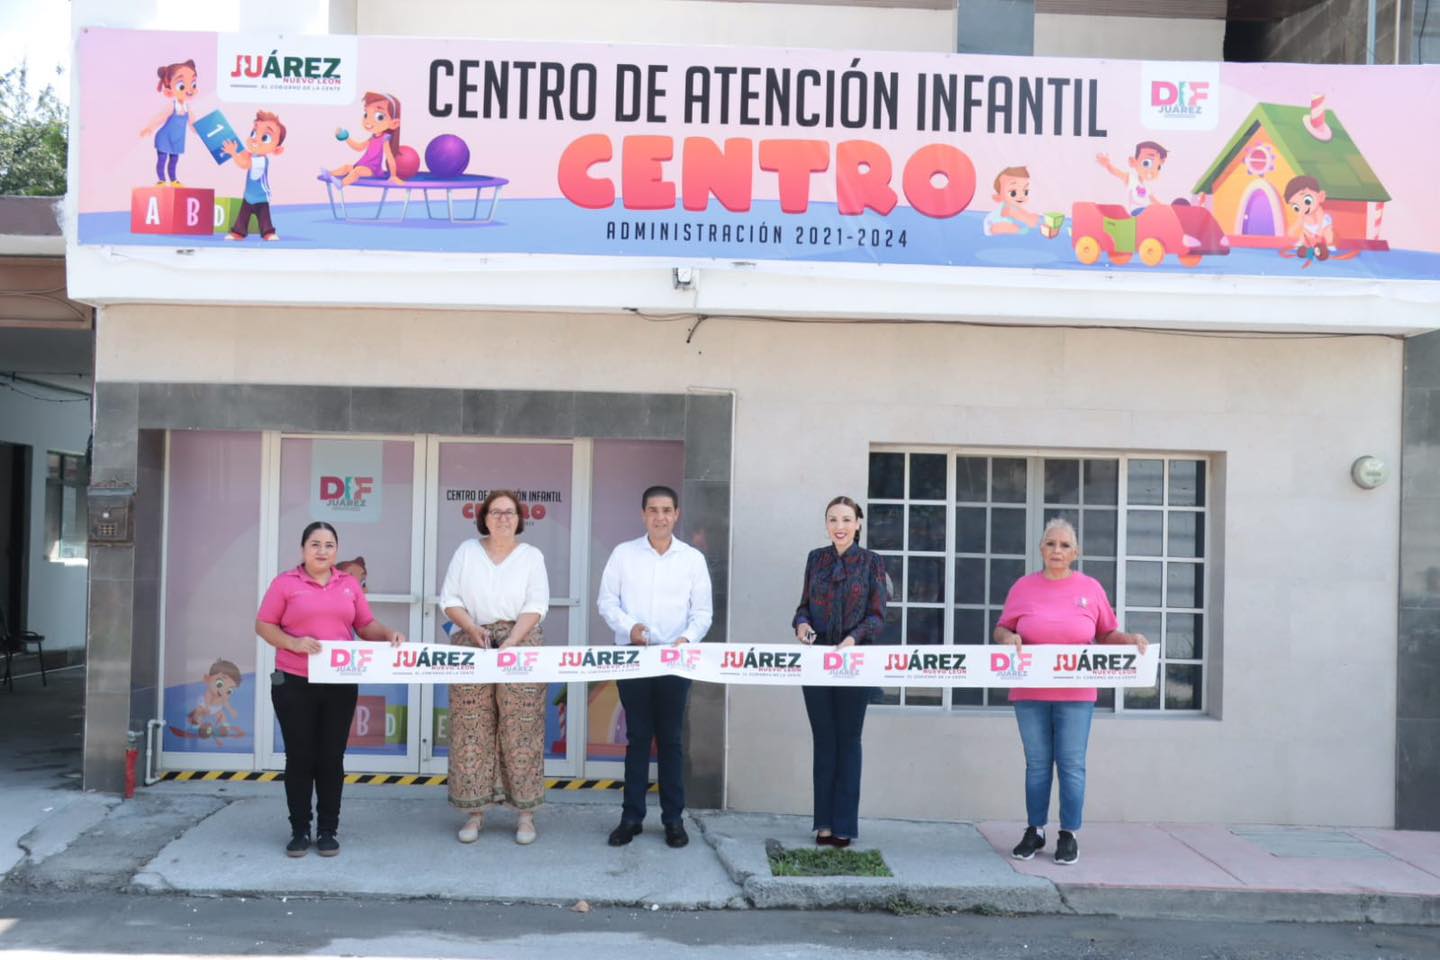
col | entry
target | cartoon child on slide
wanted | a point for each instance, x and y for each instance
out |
(209, 718)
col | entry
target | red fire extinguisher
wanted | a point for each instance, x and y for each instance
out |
(132, 761)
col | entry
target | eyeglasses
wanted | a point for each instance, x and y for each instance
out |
(502, 514)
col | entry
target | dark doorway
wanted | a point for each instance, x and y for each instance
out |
(14, 531)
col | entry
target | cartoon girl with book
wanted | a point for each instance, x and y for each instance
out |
(179, 84)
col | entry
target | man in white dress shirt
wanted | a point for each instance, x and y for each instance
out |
(655, 591)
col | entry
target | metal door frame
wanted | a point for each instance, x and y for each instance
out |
(266, 755)
(574, 601)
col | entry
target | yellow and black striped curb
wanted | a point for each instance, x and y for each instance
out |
(398, 779)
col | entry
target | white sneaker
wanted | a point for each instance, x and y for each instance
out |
(525, 832)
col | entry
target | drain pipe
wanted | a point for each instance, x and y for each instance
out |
(154, 730)
(1370, 31)
(1399, 6)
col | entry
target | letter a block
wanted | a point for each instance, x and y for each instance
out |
(172, 210)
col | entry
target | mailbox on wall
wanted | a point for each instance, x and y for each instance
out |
(112, 515)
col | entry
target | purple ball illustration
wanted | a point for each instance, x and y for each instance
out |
(447, 156)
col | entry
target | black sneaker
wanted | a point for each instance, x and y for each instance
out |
(326, 845)
(1034, 840)
(1067, 851)
(299, 843)
(624, 833)
(675, 835)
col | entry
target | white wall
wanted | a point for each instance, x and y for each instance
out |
(57, 592)
(618, 21)
(1307, 732)
(281, 16)
(1128, 38)
(690, 22)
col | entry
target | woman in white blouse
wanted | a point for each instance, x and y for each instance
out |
(496, 593)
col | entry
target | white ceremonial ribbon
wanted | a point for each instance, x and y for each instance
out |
(1036, 665)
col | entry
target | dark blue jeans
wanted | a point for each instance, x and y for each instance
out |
(1056, 736)
(654, 710)
(837, 718)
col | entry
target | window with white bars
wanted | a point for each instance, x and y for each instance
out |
(958, 527)
(67, 476)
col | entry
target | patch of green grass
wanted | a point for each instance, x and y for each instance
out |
(826, 862)
(903, 906)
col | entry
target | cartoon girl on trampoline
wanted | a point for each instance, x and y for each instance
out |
(378, 152)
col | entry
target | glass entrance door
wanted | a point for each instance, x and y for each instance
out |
(545, 475)
(621, 470)
(367, 489)
(404, 504)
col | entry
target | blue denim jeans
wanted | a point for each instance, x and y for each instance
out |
(1055, 735)
(837, 719)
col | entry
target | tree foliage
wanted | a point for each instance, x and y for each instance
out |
(33, 138)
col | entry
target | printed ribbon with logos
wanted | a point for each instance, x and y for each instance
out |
(1036, 665)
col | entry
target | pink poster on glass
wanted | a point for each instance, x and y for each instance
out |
(365, 489)
(623, 470)
(211, 593)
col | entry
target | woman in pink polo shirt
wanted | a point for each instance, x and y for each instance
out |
(311, 604)
(1057, 605)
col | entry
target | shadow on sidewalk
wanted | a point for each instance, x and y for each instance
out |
(41, 728)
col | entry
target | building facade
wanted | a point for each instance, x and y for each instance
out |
(1199, 430)
(46, 358)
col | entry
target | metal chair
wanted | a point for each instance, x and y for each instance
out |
(20, 642)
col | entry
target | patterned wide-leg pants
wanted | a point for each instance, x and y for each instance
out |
(497, 737)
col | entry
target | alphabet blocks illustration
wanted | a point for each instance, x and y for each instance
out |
(226, 210)
(172, 210)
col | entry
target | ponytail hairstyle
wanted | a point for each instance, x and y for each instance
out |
(845, 501)
(319, 525)
(166, 75)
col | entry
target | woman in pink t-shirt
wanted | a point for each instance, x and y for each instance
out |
(306, 606)
(1057, 605)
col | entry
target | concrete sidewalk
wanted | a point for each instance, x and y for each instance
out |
(225, 839)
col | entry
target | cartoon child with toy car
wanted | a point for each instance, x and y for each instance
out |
(1139, 179)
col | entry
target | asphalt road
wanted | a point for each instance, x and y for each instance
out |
(120, 926)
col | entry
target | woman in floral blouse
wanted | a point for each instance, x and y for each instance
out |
(842, 605)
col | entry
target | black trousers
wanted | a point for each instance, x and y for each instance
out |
(242, 221)
(654, 710)
(315, 719)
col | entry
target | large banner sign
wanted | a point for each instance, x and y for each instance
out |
(1044, 665)
(734, 155)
